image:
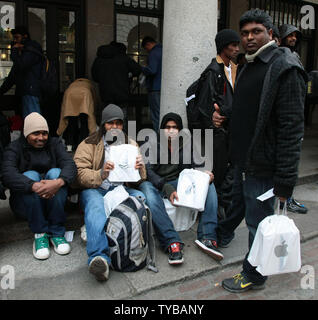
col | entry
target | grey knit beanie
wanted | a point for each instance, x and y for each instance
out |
(110, 113)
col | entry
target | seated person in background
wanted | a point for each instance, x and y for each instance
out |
(163, 180)
(93, 165)
(37, 170)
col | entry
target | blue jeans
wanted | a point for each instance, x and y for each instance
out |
(162, 224)
(30, 104)
(92, 202)
(208, 219)
(246, 192)
(44, 216)
(154, 104)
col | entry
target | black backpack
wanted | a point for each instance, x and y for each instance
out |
(313, 84)
(48, 78)
(130, 236)
(192, 94)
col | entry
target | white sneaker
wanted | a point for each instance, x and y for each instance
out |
(61, 246)
(41, 249)
(99, 268)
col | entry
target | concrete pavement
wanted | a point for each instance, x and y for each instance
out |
(67, 277)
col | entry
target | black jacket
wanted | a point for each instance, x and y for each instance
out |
(185, 150)
(276, 144)
(17, 159)
(25, 72)
(215, 89)
(110, 70)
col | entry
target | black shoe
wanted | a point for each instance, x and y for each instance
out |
(295, 206)
(224, 241)
(239, 283)
(175, 253)
(210, 247)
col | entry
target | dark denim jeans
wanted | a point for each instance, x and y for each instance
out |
(208, 219)
(246, 192)
(162, 224)
(44, 216)
(30, 104)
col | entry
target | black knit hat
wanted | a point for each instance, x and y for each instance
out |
(224, 38)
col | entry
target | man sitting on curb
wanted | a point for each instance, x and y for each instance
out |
(37, 169)
(93, 164)
(164, 178)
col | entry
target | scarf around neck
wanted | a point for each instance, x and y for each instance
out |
(250, 57)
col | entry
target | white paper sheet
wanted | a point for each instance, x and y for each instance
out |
(124, 158)
(267, 195)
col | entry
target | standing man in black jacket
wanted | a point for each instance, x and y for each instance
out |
(26, 70)
(112, 70)
(267, 126)
(215, 104)
(37, 170)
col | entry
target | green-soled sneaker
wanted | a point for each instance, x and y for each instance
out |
(41, 246)
(61, 246)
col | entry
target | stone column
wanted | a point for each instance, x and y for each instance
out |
(188, 47)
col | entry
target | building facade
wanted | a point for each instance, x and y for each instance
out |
(70, 31)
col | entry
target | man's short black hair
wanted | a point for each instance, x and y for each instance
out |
(23, 30)
(146, 40)
(258, 16)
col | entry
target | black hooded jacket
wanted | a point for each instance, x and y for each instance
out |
(110, 70)
(20, 157)
(26, 70)
(160, 173)
(284, 31)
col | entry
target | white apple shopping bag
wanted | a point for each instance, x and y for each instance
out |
(124, 158)
(276, 246)
(192, 189)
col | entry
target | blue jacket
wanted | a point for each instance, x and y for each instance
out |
(25, 72)
(153, 70)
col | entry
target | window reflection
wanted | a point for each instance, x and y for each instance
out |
(5, 49)
(37, 25)
(67, 56)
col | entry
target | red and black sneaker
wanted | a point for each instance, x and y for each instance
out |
(175, 253)
(210, 247)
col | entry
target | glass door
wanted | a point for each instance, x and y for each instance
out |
(66, 20)
(5, 47)
(55, 27)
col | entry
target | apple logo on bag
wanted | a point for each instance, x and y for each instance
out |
(281, 250)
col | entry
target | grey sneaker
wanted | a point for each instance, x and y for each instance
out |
(99, 268)
(210, 247)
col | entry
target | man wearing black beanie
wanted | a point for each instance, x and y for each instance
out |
(215, 103)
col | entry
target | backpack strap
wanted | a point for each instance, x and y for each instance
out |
(151, 263)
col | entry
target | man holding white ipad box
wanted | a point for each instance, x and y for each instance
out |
(94, 165)
(163, 180)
